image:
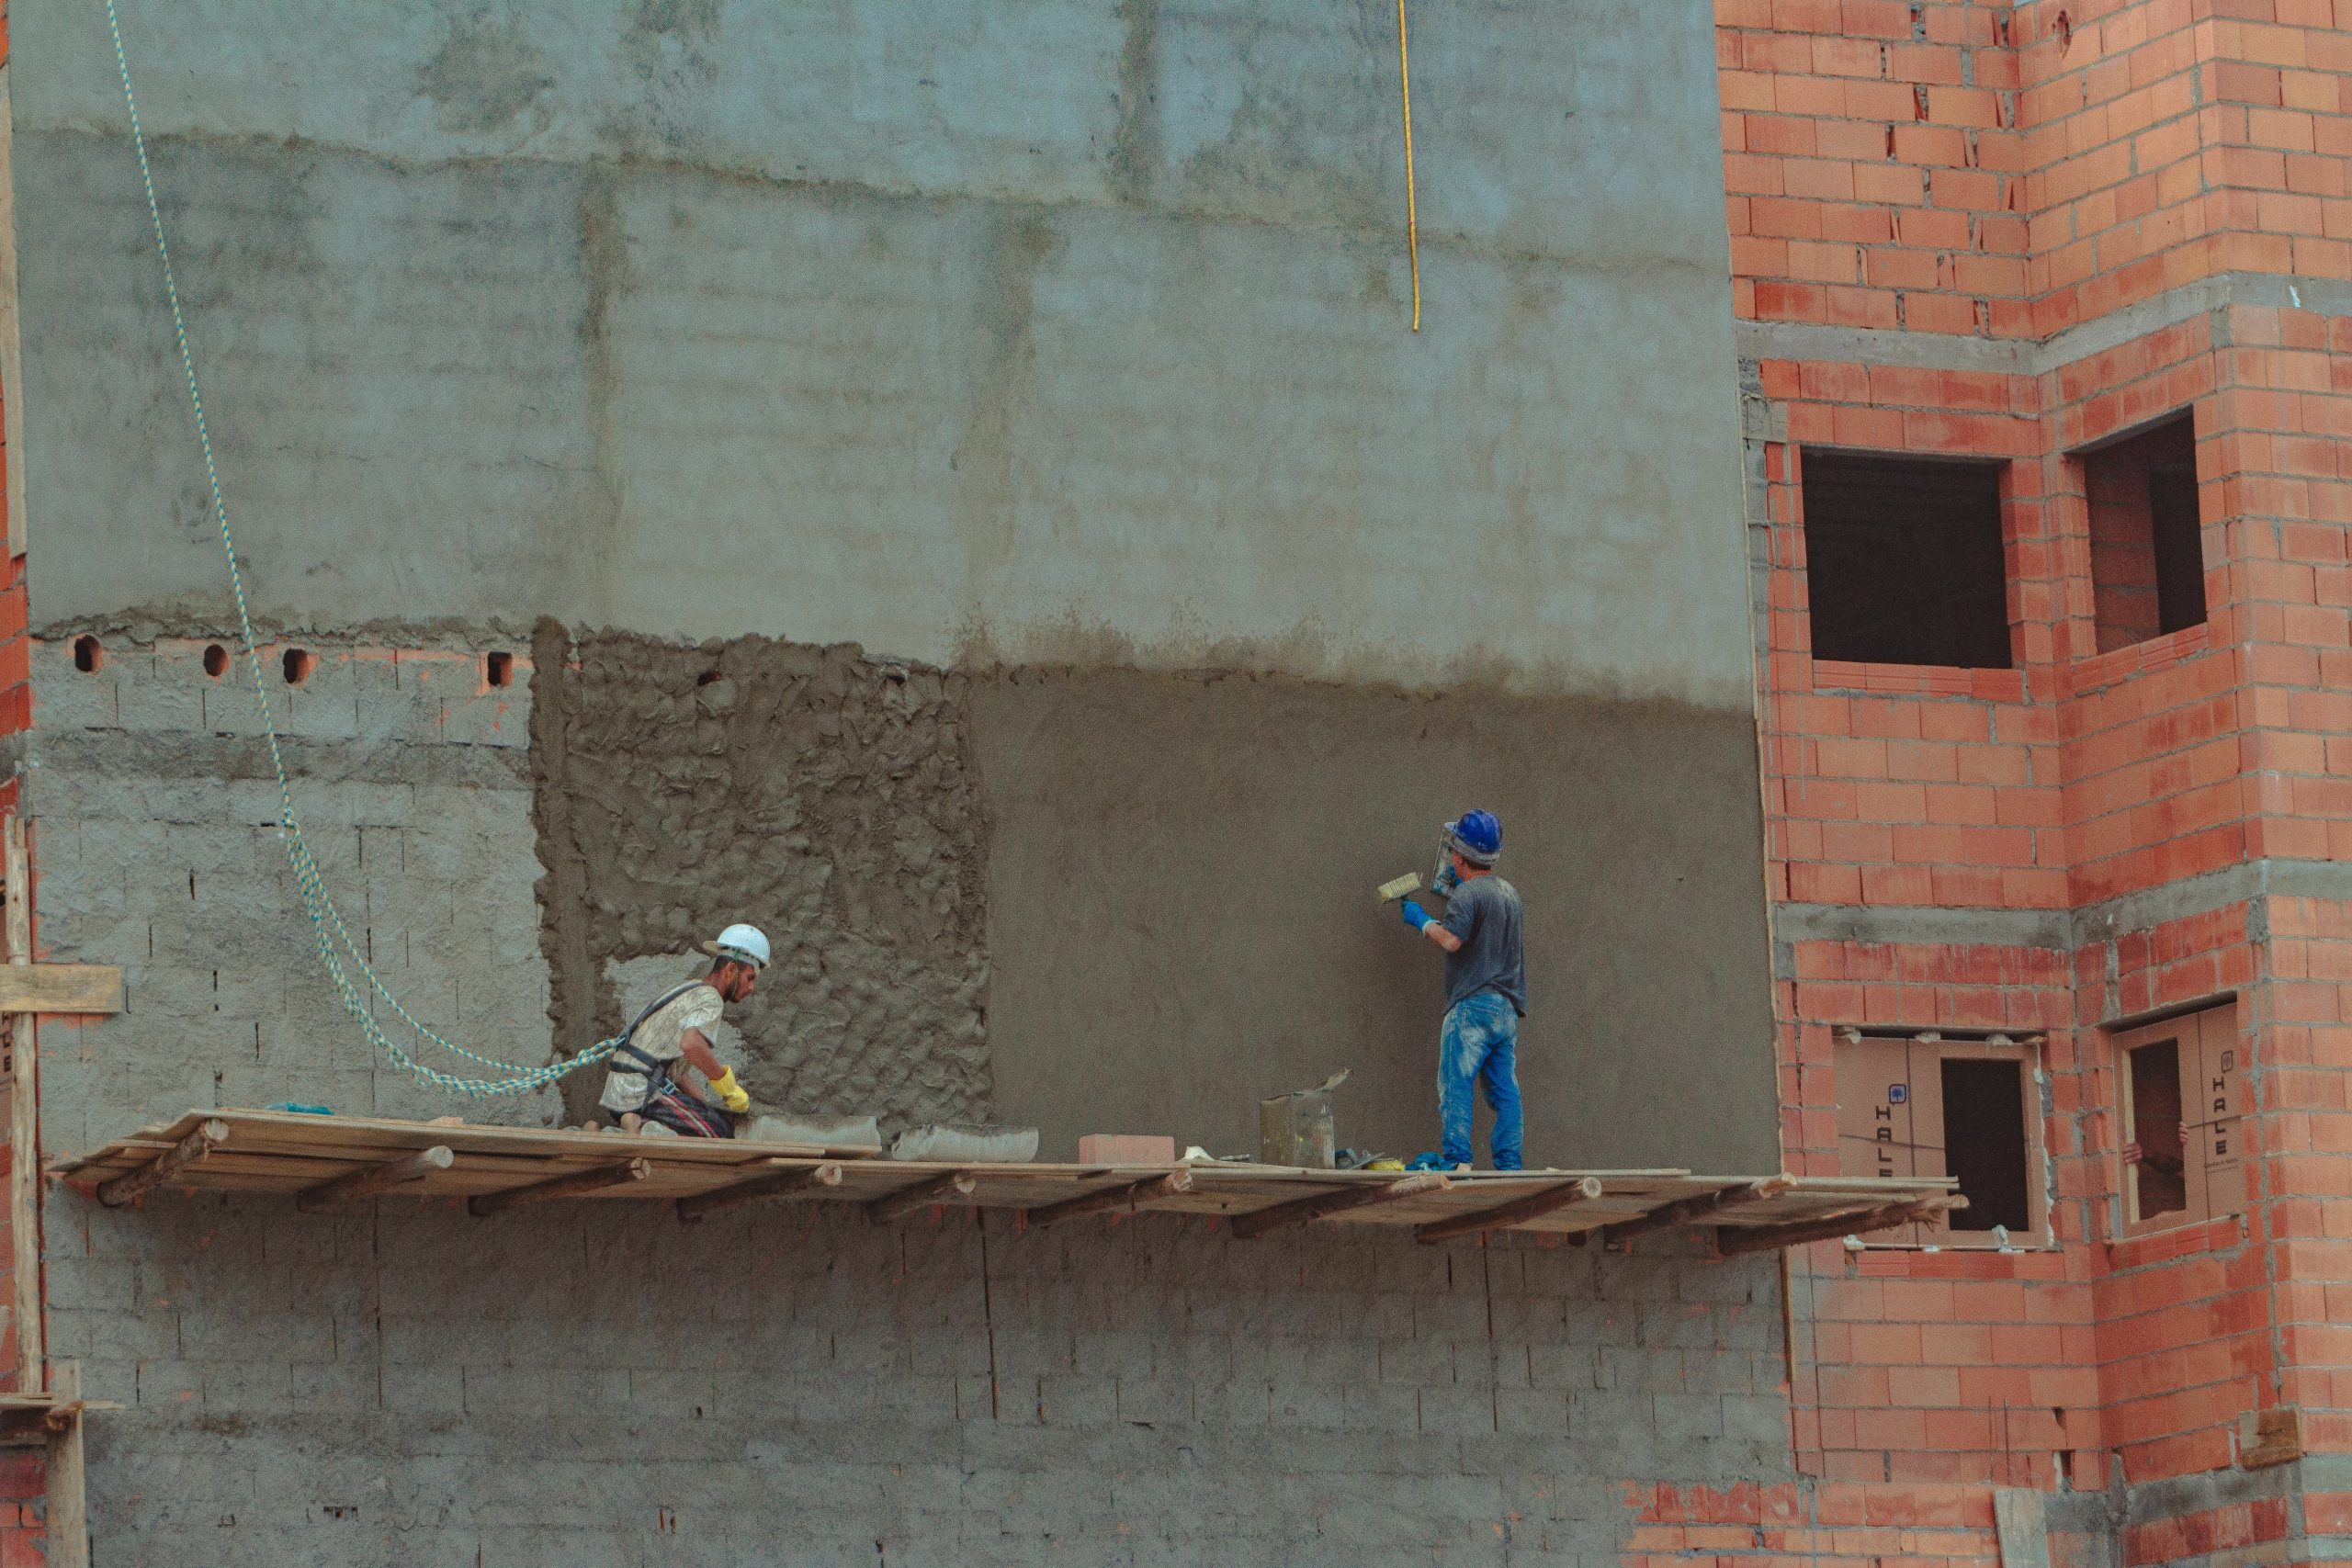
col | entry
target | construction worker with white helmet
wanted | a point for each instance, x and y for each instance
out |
(640, 1079)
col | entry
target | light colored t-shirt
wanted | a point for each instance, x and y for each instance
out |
(659, 1037)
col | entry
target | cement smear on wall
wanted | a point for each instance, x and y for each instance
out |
(1181, 916)
(828, 798)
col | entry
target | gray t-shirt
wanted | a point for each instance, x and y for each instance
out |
(1484, 912)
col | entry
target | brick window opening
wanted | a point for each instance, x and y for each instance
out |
(498, 669)
(2147, 554)
(2177, 1087)
(1904, 562)
(216, 660)
(297, 665)
(1985, 1143)
(1927, 1106)
(88, 655)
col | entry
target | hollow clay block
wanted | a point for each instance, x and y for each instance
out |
(959, 1143)
(826, 1132)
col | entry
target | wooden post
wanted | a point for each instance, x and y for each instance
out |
(1731, 1240)
(131, 1184)
(1131, 1195)
(572, 1186)
(370, 1180)
(923, 1195)
(1686, 1210)
(69, 1524)
(1337, 1201)
(1583, 1190)
(774, 1184)
(24, 1116)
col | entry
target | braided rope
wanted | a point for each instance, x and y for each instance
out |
(326, 919)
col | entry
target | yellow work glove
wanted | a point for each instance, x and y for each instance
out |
(731, 1095)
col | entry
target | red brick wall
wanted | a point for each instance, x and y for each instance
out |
(1964, 168)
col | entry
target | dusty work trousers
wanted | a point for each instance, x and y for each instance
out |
(1480, 1046)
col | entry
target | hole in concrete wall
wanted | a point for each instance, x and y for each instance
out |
(707, 677)
(216, 660)
(2147, 552)
(88, 655)
(499, 669)
(298, 664)
(1904, 561)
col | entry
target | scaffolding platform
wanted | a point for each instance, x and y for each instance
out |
(328, 1162)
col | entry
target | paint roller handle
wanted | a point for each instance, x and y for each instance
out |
(1413, 915)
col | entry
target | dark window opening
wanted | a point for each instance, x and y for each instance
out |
(87, 655)
(216, 660)
(2159, 1176)
(499, 669)
(1904, 562)
(298, 665)
(2147, 554)
(1985, 1143)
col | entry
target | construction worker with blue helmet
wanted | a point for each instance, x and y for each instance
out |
(641, 1082)
(1486, 989)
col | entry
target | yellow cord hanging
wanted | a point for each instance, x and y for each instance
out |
(1412, 219)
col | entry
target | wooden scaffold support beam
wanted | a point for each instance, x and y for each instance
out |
(1731, 1240)
(1690, 1211)
(370, 1180)
(774, 1184)
(1299, 1211)
(577, 1184)
(1534, 1206)
(207, 1136)
(1132, 1196)
(923, 1195)
(24, 1109)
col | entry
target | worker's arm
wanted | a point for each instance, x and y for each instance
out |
(1430, 926)
(694, 1046)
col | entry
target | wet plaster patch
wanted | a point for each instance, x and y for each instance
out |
(824, 797)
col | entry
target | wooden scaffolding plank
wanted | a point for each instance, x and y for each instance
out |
(1731, 1240)
(200, 1141)
(1299, 1211)
(1130, 1196)
(1687, 1211)
(370, 1180)
(61, 987)
(1583, 1190)
(775, 1183)
(940, 1189)
(572, 1186)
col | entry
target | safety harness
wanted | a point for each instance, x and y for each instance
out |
(665, 1100)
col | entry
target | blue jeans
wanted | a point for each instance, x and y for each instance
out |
(1480, 1045)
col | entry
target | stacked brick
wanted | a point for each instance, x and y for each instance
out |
(2134, 208)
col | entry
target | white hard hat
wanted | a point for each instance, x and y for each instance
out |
(743, 943)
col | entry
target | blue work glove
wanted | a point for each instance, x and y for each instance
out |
(1415, 916)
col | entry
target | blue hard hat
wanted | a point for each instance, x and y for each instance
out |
(1478, 836)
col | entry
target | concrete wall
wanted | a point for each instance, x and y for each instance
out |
(1024, 327)
(717, 322)
(592, 1385)
(1013, 405)
(596, 1386)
